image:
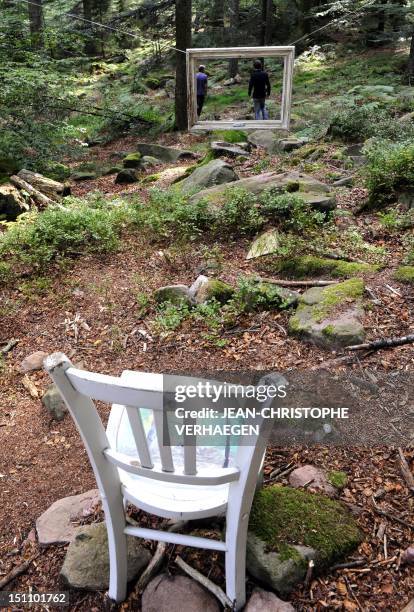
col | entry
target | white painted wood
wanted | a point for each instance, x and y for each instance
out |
(175, 538)
(137, 428)
(218, 490)
(287, 53)
(165, 451)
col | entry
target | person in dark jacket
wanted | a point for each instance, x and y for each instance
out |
(259, 85)
(201, 80)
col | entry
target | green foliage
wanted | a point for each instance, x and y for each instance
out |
(232, 136)
(405, 274)
(240, 214)
(305, 266)
(390, 168)
(394, 220)
(337, 478)
(170, 316)
(290, 209)
(357, 123)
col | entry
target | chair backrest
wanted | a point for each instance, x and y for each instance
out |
(79, 387)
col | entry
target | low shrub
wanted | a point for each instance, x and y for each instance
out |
(390, 168)
(290, 209)
(357, 123)
(240, 213)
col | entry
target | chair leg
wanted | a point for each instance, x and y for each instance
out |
(236, 563)
(118, 562)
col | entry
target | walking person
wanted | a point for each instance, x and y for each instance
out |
(201, 80)
(259, 85)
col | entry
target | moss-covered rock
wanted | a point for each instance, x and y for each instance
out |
(330, 316)
(132, 160)
(174, 294)
(265, 244)
(127, 175)
(233, 136)
(305, 266)
(283, 518)
(405, 274)
(274, 296)
(206, 289)
(338, 479)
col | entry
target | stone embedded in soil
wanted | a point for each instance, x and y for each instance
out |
(227, 149)
(407, 557)
(126, 176)
(58, 523)
(132, 160)
(174, 294)
(290, 144)
(33, 362)
(53, 402)
(205, 289)
(265, 139)
(86, 564)
(12, 204)
(216, 172)
(165, 154)
(315, 476)
(265, 244)
(264, 601)
(177, 594)
(346, 181)
(330, 316)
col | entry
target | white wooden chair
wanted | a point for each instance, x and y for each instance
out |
(158, 489)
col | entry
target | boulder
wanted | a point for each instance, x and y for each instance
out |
(315, 476)
(165, 154)
(54, 404)
(132, 160)
(205, 289)
(33, 362)
(330, 316)
(265, 244)
(288, 527)
(264, 601)
(290, 144)
(58, 523)
(345, 181)
(313, 191)
(265, 139)
(177, 594)
(175, 294)
(227, 149)
(128, 175)
(86, 564)
(216, 172)
(148, 160)
(12, 204)
(84, 175)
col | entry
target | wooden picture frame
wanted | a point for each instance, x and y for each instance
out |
(194, 56)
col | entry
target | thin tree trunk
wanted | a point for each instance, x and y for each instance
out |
(35, 10)
(411, 61)
(182, 41)
(91, 46)
(234, 8)
(268, 36)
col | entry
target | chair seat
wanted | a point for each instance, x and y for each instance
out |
(172, 500)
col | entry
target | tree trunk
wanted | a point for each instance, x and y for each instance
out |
(36, 23)
(91, 45)
(268, 23)
(234, 8)
(411, 61)
(182, 42)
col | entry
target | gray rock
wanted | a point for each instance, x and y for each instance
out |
(132, 160)
(264, 601)
(12, 204)
(346, 181)
(58, 523)
(216, 172)
(197, 284)
(165, 154)
(407, 118)
(290, 144)
(205, 289)
(264, 139)
(265, 244)
(354, 149)
(278, 297)
(330, 316)
(84, 175)
(86, 564)
(314, 192)
(406, 199)
(127, 175)
(358, 160)
(307, 473)
(273, 569)
(33, 362)
(148, 160)
(227, 149)
(177, 594)
(175, 294)
(53, 402)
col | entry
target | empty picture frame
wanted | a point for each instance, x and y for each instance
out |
(194, 56)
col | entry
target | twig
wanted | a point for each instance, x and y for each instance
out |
(393, 290)
(405, 470)
(9, 346)
(295, 283)
(309, 573)
(375, 345)
(279, 474)
(352, 594)
(373, 297)
(152, 567)
(208, 584)
(349, 565)
(391, 516)
(17, 571)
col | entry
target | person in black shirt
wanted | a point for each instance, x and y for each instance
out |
(259, 85)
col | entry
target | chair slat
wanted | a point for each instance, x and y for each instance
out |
(165, 451)
(190, 460)
(175, 538)
(138, 431)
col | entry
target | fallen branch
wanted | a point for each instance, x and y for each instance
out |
(208, 584)
(352, 594)
(405, 470)
(380, 344)
(295, 283)
(16, 571)
(9, 346)
(391, 516)
(152, 567)
(37, 195)
(349, 565)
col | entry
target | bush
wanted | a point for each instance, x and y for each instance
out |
(240, 213)
(357, 123)
(390, 168)
(291, 209)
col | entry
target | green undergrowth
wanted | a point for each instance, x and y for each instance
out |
(281, 516)
(310, 265)
(405, 274)
(338, 479)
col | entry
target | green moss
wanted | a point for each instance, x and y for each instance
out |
(311, 265)
(338, 479)
(132, 160)
(334, 295)
(405, 274)
(151, 178)
(281, 516)
(232, 136)
(216, 289)
(329, 330)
